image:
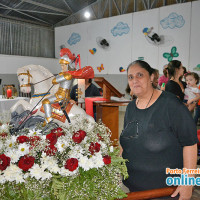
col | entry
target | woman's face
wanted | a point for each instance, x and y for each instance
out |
(180, 71)
(139, 80)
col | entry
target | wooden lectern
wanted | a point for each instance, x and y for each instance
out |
(108, 111)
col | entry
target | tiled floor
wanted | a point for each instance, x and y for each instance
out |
(196, 192)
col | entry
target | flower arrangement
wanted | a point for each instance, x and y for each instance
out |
(74, 162)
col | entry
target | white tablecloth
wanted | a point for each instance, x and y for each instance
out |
(6, 104)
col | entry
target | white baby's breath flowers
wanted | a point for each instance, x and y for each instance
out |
(103, 146)
(76, 152)
(34, 132)
(111, 148)
(2, 179)
(1, 146)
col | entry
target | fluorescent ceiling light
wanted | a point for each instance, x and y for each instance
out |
(87, 15)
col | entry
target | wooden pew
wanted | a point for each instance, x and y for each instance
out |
(150, 194)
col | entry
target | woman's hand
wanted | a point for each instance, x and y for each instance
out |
(185, 192)
(189, 101)
(162, 87)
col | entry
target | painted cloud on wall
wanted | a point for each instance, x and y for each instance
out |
(172, 21)
(120, 29)
(74, 38)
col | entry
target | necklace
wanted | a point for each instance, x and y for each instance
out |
(148, 101)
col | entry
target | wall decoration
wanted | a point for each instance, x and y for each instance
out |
(151, 36)
(120, 29)
(157, 40)
(140, 58)
(170, 56)
(93, 51)
(100, 68)
(121, 69)
(74, 38)
(197, 68)
(103, 43)
(172, 21)
(62, 46)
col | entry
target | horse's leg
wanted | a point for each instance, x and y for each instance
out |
(76, 110)
(25, 105)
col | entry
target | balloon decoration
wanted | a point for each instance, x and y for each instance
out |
(100, 68)
(93, 51)
(121, 69)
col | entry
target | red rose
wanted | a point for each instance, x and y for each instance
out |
(26, 162)
(83, 133)
(34, 140)
(71, 164)
(22, 139)
(107, 160)
(100, 138)
(79, 136)
(3, 135)
(4, 162)
(52, 138)
(94, 147)
(58, 131)
(50, 150)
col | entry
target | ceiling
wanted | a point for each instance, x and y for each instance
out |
(44, 12)
(62, 12)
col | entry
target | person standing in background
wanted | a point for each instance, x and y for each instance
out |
(175, 85)
(155, 80)
(91, 90)
(162, 81)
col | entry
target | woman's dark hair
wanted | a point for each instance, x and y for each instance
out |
(128, 89)
(90, 80)
(195, 75)
(184, 70)
(142, 64)
(172, 66)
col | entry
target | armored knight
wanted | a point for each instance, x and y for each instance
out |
(65, 81)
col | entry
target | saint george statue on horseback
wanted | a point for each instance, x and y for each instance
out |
(50, 91)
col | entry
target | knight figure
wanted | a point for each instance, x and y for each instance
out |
(64, 79)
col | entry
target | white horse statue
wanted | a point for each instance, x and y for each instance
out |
(41, 79)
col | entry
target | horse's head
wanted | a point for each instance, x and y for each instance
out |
(35, 77)
(25, 81)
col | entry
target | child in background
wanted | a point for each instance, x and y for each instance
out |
(192, 92)
(197, 112)
(163, 79)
